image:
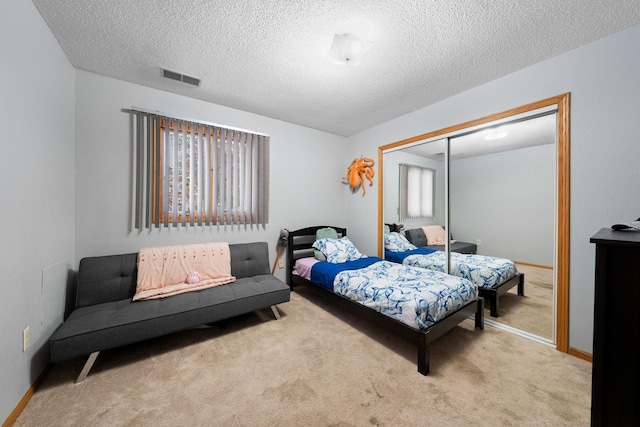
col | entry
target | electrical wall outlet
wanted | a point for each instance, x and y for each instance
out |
(26, 338)
(478, 242)
(281, 263)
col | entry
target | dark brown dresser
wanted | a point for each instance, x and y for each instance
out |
(615, 390)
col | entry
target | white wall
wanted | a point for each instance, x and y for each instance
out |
(36, 171)
(305, 167)
(605, 125)
(507, 200)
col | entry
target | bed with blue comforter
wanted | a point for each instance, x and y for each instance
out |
(416, 297)
(418, 304)
(493, 276)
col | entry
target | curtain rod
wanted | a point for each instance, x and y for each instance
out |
(186, 119)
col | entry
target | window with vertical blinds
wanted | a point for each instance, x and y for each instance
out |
(194, 174)
(417, 185)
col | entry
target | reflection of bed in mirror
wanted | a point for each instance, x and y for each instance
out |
(494, 276)
(538, 131)
(436, 304)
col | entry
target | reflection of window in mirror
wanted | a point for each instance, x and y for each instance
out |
(416, 192)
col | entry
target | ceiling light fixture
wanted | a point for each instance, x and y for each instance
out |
(347, 49)
(496, 133)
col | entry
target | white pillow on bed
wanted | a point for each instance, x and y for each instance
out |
(396, 242)
(338, 250)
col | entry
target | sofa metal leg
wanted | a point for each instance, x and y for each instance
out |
(87, 367)
(275, 311)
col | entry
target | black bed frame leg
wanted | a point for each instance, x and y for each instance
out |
(423, 355)
(480, 314)
(521, 286)
(493, 305)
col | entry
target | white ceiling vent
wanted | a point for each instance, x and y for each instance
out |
(180, 77)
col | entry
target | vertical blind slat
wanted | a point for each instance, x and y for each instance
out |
(181, 176)
(173, 150)
(139, 163)
(227, 175)
(247, 178)
(261, 177)
(230, 183)
(191, 164)
(165, 181)
(216, 176)
(264, 178)
(158, 172)
(256, 181)
(240, 176)
(135, 122)
(236, 178)
(197, 191)
(148, 176)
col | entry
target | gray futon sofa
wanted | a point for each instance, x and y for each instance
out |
(418, 238)
(105, 316)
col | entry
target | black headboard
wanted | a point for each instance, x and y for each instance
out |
(299, 245)
(395, 227)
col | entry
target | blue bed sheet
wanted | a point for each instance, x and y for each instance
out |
(323, 273)
(398, 257)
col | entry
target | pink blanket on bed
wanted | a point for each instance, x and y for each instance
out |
(164, 271)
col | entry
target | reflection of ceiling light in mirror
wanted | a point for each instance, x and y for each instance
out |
(498, 133)
(347, 49)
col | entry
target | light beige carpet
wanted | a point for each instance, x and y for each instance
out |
(532, 312)
(317, 366)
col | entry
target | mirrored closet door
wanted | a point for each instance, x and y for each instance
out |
(500, 184)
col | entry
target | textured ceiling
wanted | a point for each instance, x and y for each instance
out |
(268, 57)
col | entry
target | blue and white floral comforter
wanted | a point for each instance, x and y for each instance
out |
(485, 271)
(416, 297)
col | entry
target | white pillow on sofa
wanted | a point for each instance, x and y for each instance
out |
(435, 235)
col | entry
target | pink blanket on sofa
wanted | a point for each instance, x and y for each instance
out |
(163, 271)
